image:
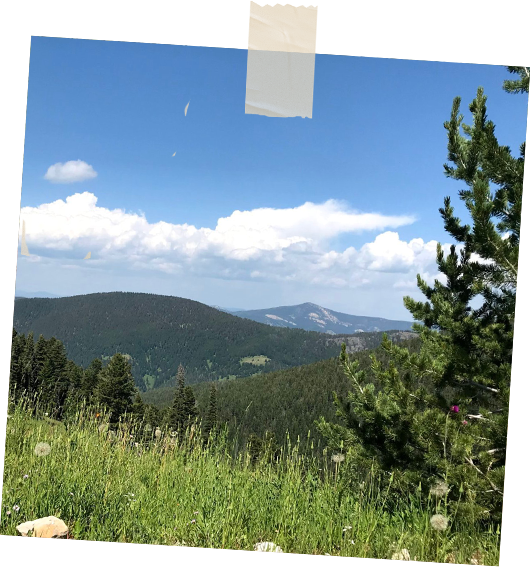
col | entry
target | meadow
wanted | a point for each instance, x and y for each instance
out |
(178, 491)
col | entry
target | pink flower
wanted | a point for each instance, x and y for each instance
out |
(464, 422)
(455, 409)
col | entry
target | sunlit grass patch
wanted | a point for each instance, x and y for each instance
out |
(183, 492)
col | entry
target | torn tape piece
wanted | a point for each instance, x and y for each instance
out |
(280, 84)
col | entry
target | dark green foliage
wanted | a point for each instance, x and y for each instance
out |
(116, 387)
(138, 407)
(264, 448)
(210, 420)
(91, 378)
(519, 85)
(152, 415)
(441, 414)
(280, 402)
(174, 416)
(160, 332)
(190, 406)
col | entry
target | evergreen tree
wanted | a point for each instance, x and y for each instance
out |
(189, 407)
(91, 378)
(152, 415)
(15, 370)
(28, 376)
(210, 420)
(520, 85)
(138, 407)
(441, 414)
(176, 417)
(116, 387)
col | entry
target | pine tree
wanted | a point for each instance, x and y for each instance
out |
(189, 407)
(441, 414)
(176, 417)
(138, 407)
(210, 420)
(520, 85)
(91, 379)
(116, 387)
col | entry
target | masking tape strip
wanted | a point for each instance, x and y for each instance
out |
(280, 84)
(281, 60)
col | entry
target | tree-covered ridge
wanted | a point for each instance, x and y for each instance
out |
(278, 402)
(160, 332)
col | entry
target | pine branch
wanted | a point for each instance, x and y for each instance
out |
(469, 460)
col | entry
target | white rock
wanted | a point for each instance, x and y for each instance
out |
(268, 550)
(50, 527)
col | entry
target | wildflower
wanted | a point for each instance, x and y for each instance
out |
(196, 512)
(269, 550)
(439, 522)
(46, 414)
(346, 528)
(338, 458)
(8, 513)
(16, 508)
(42, 449)
(194, 521)
(464, 422)
(71, 493)
(158, 433)
(455, 409)
(25, 476)
(439, 490)
(402, 555)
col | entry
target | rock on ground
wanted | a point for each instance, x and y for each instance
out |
(50, 527)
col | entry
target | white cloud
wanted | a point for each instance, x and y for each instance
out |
(70, 172)
(282, 245)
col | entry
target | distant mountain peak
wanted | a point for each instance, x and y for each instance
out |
(313, 317)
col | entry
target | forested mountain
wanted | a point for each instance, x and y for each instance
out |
(160, 332)
(312, 317)
(287, 400)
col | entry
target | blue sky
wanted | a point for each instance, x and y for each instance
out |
(375, 144)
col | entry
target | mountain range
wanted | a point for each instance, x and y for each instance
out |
(160, 332)
(311, 317)
(22, 293)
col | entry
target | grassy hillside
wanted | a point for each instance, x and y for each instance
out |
(108, 489)
(161, 332)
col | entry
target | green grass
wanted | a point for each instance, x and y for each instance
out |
(106, 490)
(149, 381)
(259, 360)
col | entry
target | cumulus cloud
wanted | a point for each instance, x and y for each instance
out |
(70, 172)
(289, 245)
